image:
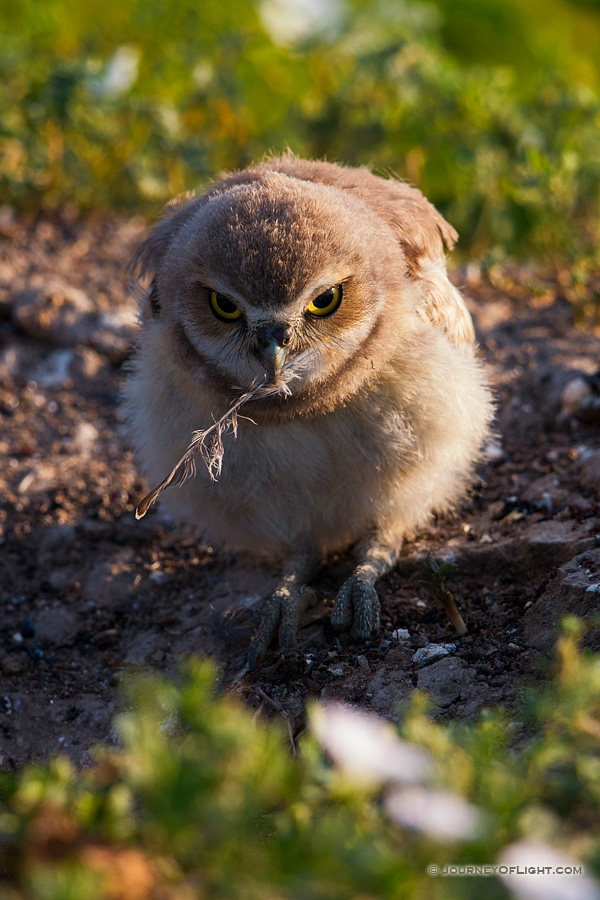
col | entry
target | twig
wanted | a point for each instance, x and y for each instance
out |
(278, 708)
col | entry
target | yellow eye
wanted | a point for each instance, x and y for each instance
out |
(223, 308)
(327, 302)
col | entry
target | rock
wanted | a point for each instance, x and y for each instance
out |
(580, 399)
(84, 438)
(545, 493)
(63, 368)
(54, 370)
(11, 364)
(576, 391)
(493, 452)
(57, 538)
(551, 543)
(432, 652)
(57, 314)
(399, 656)
(111, 581)
(60, 579)
(14, 664)
(547, 383)
(588, 470)
(445, 679)
(387, 690)
(348, 689)
(568, 593)
(113, 336)
(55, 624)
(401, 634)
(142, 648)
(496, 560)
(86, 364)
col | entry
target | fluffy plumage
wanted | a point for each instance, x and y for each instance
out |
(385, 422)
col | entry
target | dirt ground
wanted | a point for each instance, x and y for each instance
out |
(89, 594)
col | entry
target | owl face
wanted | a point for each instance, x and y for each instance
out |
(262, 272)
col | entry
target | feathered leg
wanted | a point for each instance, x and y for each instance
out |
(283, 609)
(356, 608)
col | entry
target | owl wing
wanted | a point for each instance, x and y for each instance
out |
(442, 303)
(422, 232)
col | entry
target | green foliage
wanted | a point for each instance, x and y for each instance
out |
(203, 801)
(436, 581)
(491, 108)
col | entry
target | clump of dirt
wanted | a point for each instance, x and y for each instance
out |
(89, 594)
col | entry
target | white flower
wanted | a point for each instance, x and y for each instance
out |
(120, 73)
(549, 884)
(288, 21)
(441, 815)
(367, 748)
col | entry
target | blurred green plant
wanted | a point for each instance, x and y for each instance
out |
(436, 581)
(203, 801)
(492, 109)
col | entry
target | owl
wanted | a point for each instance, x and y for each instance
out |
(379, 427)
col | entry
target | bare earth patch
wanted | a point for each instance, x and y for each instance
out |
(89, 594)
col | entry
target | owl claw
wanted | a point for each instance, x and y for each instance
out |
(356, 609)
(283, 609)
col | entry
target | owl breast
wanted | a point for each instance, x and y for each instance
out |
(399, 449)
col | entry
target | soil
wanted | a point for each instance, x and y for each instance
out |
(90, 594)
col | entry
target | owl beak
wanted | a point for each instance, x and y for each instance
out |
(273, 357)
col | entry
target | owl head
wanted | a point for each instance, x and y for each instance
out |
(270, 263)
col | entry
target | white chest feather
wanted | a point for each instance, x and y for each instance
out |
(384, 461)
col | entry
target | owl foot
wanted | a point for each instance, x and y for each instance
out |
(281, 612)
(356, 609)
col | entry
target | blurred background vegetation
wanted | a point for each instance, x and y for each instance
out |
(491, 107)
(203, 801)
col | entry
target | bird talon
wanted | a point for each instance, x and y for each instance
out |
(287, 638)
(356, 609)
(283, 609)
(252, 659)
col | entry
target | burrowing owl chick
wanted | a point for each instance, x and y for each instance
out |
(380, 426)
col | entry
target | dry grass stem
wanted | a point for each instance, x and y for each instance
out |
(209, 441)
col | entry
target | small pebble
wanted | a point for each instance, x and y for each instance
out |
(432, 652)
(401, 634)
(157, 577)
(15, 664)
(105, 637)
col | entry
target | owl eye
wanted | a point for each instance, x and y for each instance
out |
(223, 308)
(327, 302)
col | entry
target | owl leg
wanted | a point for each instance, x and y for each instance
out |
(283, 609)
(356, 608)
